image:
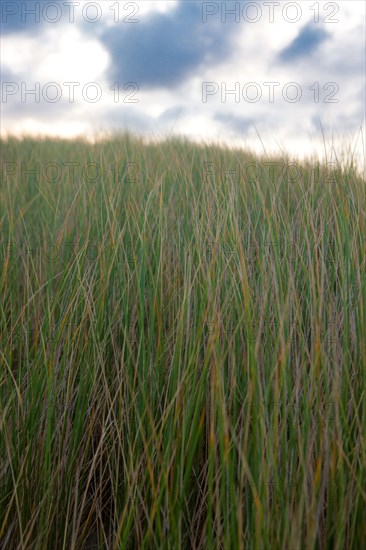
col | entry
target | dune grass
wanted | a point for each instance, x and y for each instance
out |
(183, 351)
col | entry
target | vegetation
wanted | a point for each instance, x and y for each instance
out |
(183, 351)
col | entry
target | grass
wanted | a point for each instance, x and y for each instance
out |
(183, 357)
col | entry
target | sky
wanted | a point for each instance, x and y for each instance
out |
(272, 76)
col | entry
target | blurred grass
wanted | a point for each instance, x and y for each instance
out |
(182, 348)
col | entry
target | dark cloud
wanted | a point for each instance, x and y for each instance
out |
(307, 41)
(21, 98)
(238, 124)
(27, 15)
(135, 120)
(164, 49)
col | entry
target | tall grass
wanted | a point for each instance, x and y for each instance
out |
(183, 357)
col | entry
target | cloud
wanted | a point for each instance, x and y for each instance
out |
(236, 123)
(166, 48)
(22, 16)
(306, 42)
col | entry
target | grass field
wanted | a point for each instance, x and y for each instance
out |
(183, 356)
